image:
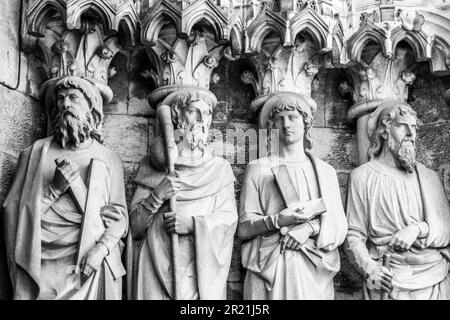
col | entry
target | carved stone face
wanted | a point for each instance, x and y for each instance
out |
(72, 99)
(194, 122)
(401, 139)
(73, 123)
(290, 125)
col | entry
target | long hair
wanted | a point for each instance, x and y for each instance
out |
(383, 123)
(289, 103)
(91, 94)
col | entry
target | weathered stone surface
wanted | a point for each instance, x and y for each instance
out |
(319, 94)
(335, 146)
(9, 51)
(126, 135)
(233, 95)
(22, 121)
(8, 164)
(434, 150)
(130, 170)
(119, 83)
(427, 96)
(141, 84)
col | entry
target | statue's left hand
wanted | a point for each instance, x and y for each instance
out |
(404, 239)
(93, 259)
(179, 223)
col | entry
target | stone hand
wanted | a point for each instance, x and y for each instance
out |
(65, 173)
(301, 233)
(179, 223)
(404, 239)
(290, 216)
(379, 277)
(109, 215)
(168, 187)
(92, 261)
(289, 242)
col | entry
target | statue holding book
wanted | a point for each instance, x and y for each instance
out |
(291, 218)
(66, 211)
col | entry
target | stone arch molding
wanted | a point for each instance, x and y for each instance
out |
(40, 13)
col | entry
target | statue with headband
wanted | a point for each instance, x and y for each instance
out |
(291, 219)
(66, 212)
(183, 209)
(397, 208)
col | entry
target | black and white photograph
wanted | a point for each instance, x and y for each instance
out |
(242, 151)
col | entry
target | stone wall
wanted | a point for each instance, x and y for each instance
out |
(22, 120)
(128, 126)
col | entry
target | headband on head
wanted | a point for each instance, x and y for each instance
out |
(273, 100)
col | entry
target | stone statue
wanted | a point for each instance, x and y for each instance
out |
(66, 212)
(206, 215)
(397, 207)
(288, 250)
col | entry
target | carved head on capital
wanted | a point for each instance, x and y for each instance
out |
(75, 110)
(392, 128)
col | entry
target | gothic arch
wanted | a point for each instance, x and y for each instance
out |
(41, 13)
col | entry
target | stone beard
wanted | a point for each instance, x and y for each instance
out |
(73, 127)
(405, 153)
(196, 134)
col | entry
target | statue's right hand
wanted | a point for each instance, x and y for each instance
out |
(290, 216)
(379, 277)
(65, 173)
(168, 187)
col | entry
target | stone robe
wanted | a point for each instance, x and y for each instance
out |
(206, 194)
(43, 235)
(306, 274)
(382, 201)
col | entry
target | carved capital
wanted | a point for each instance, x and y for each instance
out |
(78, 38)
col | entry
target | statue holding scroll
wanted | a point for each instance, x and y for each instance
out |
(397, 207)
(291, 218)
(205, 217)
(66, 212)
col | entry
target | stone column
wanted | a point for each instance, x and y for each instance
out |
(78, 38)
(185, 42)
(287, 49)
(381, 55)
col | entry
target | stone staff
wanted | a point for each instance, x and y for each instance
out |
(164, 116)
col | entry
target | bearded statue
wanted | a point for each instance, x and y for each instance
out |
(397, 208)
(205, 218)
(66, 212)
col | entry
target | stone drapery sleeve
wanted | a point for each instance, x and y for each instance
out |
(143, 206)
(214, 235)
(252, 219)
(117, 229)
(355, 243)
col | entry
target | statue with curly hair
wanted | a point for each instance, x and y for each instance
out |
(289, 251)
(397, 207)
